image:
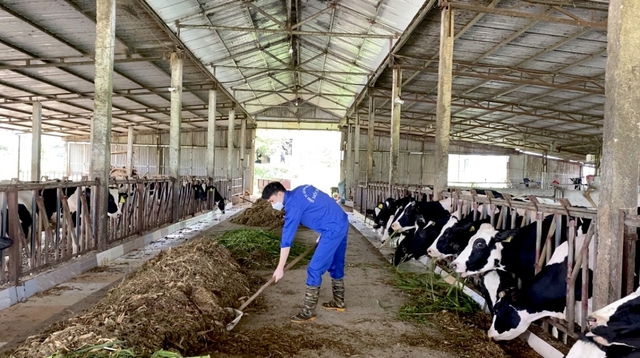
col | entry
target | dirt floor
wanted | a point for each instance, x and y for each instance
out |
(370, 326)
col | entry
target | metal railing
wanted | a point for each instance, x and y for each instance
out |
(68, 229)
(368, 195)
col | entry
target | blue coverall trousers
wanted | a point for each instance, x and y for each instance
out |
(330, 256)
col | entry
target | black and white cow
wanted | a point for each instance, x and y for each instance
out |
(25, 203)
(416, 241)
(385, 211)
(514, 250)
(495, 283)
(406, 217)
(543, 296)
(614, 331)
(455, 236)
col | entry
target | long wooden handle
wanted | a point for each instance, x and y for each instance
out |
(290, 265)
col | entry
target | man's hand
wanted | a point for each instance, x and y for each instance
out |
(277, 274)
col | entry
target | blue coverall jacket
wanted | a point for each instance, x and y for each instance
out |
(316, 210)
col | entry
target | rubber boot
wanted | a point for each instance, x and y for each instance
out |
(308, 312)
(338, 297)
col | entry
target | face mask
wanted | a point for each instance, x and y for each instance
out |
(277, 205)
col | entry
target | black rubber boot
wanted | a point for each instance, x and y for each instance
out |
(308, 312)
(338, 297)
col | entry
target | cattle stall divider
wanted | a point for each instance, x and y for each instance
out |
(68, 229)
(369, 194)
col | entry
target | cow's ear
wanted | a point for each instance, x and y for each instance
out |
(506, 236)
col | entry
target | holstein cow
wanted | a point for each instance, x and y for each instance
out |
(201, 192)
(25, 200)
(455, 236)
(543, 296)
(614, 331)
(385, 211)
(415, 243)
(514, 250)
(495, 283)
(407, 217)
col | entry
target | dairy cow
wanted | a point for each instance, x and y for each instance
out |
(495, 283)
(417, 240)
(201, 192)
(455, 236)
(614, 331)
(406, 217)
(514, 250)
(543, 296)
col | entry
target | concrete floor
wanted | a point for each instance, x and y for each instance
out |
(65, 300)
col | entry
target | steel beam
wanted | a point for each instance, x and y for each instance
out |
(211, 135)
(36, 141)
(619, 170)
(371, 138)
(286, 32)
(61, 62)
(443, 106)
(529, 15)
(101, 123)
(174, 130)
(356, 154)
(349, 161)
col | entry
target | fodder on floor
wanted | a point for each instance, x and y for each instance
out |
(260, 214)
(168, 303)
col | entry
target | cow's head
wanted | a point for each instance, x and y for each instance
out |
(405, 218)
(508, 322)
(444, 237)
(495, 283)
(383, 211)
(483, 252)
(617, 323)
(116, 200)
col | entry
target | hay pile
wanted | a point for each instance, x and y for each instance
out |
(260, 214)
(165, 304)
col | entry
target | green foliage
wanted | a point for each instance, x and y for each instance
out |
(257, 249)
(430, 294)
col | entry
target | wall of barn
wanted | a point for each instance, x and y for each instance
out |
(416, 163)
(529, 166)
(151, 154)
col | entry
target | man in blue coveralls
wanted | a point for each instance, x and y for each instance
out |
(316, 210)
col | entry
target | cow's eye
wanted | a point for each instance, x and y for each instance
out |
(480, 244)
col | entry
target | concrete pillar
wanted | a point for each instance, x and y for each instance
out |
(443, 108)
(67, 158)
(356, 154)
(343, 154)
(349, 161)
(101, 123)
(129, 151)
(621, 134)
(19, 150)
(371, 138)
(396, 105)
(36, 141)
(252, 160)
(232, 119)
(174, 130)
(243, 145)
(211, 136)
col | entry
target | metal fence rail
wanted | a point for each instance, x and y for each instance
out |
(68, 229)
(368, 195)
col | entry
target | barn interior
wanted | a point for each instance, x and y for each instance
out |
(186, 85)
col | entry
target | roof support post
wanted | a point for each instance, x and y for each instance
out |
(101, 123)
(252, 160)
(211, 135)
(232, 119)
(36, 141)
(356, 155)
(619, 170)
(371, 137)
(349, 161)
(129, 151)
(174, 130)
(343, 153)
(243, 148)
(396, 105)
(443, 106)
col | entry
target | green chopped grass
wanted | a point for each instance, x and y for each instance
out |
(257, 249)
(430, 294)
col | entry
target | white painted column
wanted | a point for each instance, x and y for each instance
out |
(356, 155)
(232, 120)
(36, 141)
(243, 145)
(101, 123)
(129, 151)
(211, 135)
(174, 130)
